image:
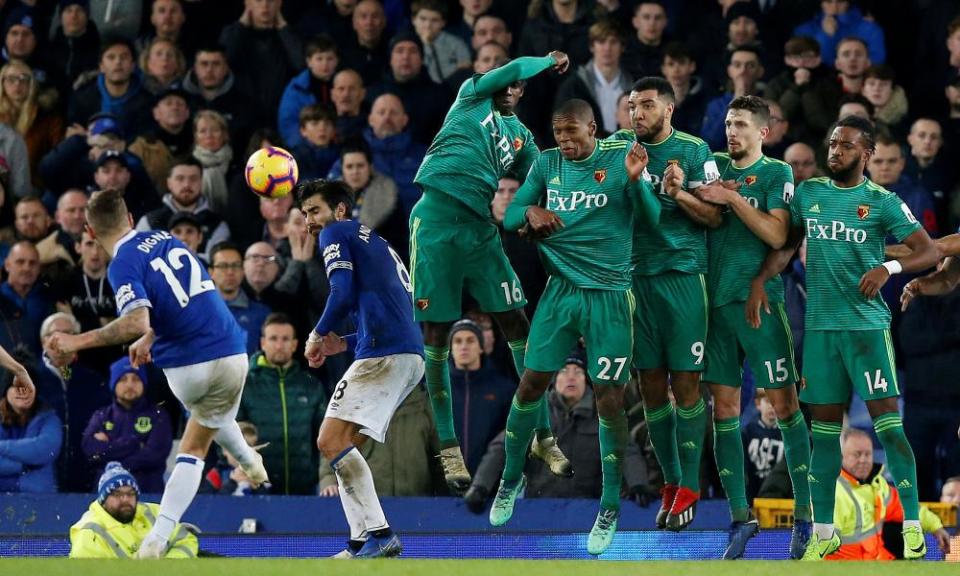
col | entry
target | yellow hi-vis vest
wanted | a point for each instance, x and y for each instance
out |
(99, 535)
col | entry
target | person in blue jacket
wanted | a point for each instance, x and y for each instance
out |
(838, 20)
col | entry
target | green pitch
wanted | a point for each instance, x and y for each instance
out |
(270, 567)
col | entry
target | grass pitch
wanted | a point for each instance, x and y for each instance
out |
(283, 567)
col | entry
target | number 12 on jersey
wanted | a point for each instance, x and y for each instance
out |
(175, 259)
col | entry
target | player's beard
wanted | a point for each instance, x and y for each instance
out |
(653, 131)
(844, 172)
(738, 154)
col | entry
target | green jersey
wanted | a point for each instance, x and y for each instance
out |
(595, 200)
(678, 243)
(476, 145)
(735, 252)
(846, 229)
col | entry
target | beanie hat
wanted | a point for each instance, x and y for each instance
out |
(85, 4)
(576, 357)
(406, 36)
(21, 15)
(113, 477)
(123, 366)
(470, 325)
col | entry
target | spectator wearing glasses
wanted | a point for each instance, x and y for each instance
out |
(261, 269)
(776, 142)
(227, 271)
(41, 127)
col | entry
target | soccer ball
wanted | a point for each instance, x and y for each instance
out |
(271, 172)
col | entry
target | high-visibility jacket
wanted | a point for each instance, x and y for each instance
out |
(860, 510)
(99, 535)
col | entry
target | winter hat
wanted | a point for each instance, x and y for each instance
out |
(469, 325)
(113, 477)
(406, 36)
(743, 9)
(576, 357)
(113, 155)
(21, 15)
(85, 4)
(123, 366)
(104, 123)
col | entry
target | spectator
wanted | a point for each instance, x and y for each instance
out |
(623, 112)
(163, 65)
(867, 506)
(131, 430)
(489, 56)
(233, 480)
(395, 154)
(21, 292)
(802, 159)
(226, 270)
(41, 128)
(58, 251)
(851, 63)
(274, 213)
(314, 85)
(171, 136)
(366, 51)
(13, 149)
(117, 89)
(481, 395)
(114, 170)
(444, 53)
(930, 165)
(473, 10)
(348, 96)
(558, 25)
(20, 43)
(263, 52)
(855, 105)
(376, 200)
(644, 50)
(75, 390)
(166, 21)
(762, 444)
(807, 90)
(287, 405)
(118, 20)
(951, 491)
(211, 137)
(678, 68)
(424, 101)
(523, 255)
(261, 268)
(87, 296)
(185, 182)
(316, 152)
(889, 100)
(744, 71)
(886, 169)
(212, 85)
(602, 80)
(838, 20)
(489, 28)
(244, 216)
(187, 228)
(776, 142)
(304, 279)
(71, 163)
(117, 522)
(334, 19)
(740, 29)
(30, 439)
(76, 42)
(32, 221)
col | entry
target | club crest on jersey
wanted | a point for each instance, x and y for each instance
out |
(749, 180)
(863, 211)
(517, 143)
(423, 303)
(600, 175)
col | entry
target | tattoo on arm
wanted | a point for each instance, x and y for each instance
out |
(123, 329)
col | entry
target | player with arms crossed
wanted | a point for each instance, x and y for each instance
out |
(589, 188)
(369, 282)
(847, 345)
(759, 220)
(670, 322)
(167, 302)
(455, 244)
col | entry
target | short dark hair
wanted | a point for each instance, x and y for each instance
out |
(887, 140)
(431, 5)
(111, 41)
(856, 99)
(745, 48)
(755, 105)
(316, 113)
(575, 108)
(860, 41)
(212, 47)
(320, 43)
(225, 246)
(867, 130)
(278, 318)
(333, 192)
(657, 83)
(677, 51)
(880, 72)
(356, 146)
(800, 44)
(184, 160)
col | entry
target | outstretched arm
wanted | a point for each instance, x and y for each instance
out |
(132, 325)
(519, 69)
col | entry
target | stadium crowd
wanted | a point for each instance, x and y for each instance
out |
(165, 100)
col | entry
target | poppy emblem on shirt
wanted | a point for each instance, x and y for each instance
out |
(423, 303)
(863, 211)
(749, 180)
(600, 175)
(517, 143)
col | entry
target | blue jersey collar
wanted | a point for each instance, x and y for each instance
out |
(120, 242)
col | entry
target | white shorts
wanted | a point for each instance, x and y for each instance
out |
(372, 390)
(211, 390)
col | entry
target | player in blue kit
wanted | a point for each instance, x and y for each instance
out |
(168, 304)
(369, 282)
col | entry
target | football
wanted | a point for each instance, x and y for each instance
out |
(271, 172)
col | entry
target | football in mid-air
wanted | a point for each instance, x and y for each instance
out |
(271, 172)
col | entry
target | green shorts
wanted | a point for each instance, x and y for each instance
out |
(452, 248)
(768, 348)
(603, 317)
(670, 322)
(836, 361)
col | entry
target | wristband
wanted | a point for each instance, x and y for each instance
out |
(893, 267)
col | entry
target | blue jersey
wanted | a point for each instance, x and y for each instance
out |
(190, 319)
(368, 281)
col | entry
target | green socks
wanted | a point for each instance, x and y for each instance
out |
(520, 425)
(691, 427)
(438, 386)
(518, 349)
(662, 425)
(613, 440)
(900, 460)
(825, 464)
(796, 445)
(728, 450)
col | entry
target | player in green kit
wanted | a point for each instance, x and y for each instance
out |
(591, 190)
(670, 322)
(758, 220)
(454, 243)
(847, 346)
